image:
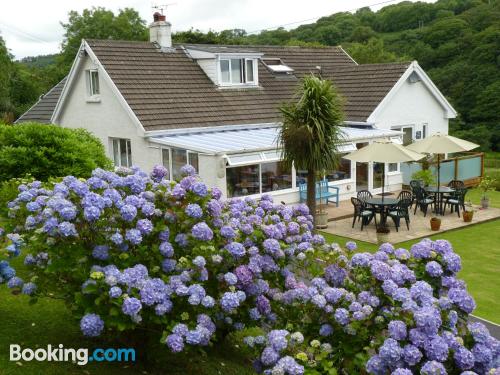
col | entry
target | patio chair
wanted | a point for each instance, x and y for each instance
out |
(364, 195)
(423, 201)
(360, 212)
(399, 212)
(455, 185)
(414, 185)
(456, 201)
(406, 195)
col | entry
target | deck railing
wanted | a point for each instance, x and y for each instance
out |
(469, 168)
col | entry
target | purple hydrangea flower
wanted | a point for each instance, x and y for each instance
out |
(351, 245)
(133, 236)
(202, 232)
(434, 269)
(29, 288)
(175, 343)
(397, 330)
(91, 325)
(131, 306)
(433, 368)
(100, 252)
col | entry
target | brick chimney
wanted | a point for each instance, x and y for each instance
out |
(160, 31)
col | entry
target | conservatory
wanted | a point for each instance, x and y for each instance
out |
(245, 161)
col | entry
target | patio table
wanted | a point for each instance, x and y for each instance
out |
(383, 205)
(438, 193)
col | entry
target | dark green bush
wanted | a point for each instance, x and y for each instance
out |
(45, 151)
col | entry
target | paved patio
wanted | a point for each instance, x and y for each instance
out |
(340, 222)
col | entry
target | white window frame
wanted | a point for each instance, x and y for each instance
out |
(128, 151)
(93, 94)
(401, 127)
(259, 163)
(169, 167)
(243, 64)
(388, 172)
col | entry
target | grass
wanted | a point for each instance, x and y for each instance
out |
(480, 254)
(474, 195)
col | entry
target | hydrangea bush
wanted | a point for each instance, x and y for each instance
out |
(126, 249)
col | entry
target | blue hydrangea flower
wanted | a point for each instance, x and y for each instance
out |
(100, 252)
(91, 325)
(175, 343)
(202, 232)
(131, 306)
(194, 210)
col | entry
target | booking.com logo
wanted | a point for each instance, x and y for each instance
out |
(79, 356)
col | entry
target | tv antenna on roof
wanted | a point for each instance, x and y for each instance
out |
(162, 7)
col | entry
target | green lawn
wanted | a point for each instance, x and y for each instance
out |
(480, 254)
(474, 195)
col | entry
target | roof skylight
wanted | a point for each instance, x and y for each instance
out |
(276, 65)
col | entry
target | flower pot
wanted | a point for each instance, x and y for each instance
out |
(485, 202)
(382, 238)
(321, 220)
(435, 223)
(467, 215)
(382, 234)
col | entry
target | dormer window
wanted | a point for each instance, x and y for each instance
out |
(237, 71)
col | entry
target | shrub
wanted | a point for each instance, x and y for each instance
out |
(45, 151)
(425, 175)
(127, 250)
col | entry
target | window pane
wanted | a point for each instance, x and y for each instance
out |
(249, 70)
(242, 180)
(275, 177)
(193, 160)
(165, 159)
(393, 167)
(129, 153)
(301, 177)
(236, 71)
(95, 82)
(378, 169)
(123, 153)
(224, 70)
(424, 131)
(179, 160)
(116, 152)
(343, 171)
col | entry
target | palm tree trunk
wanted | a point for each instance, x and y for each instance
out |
(311, 191)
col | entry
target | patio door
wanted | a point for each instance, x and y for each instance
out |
(376, 177)
(362, 176)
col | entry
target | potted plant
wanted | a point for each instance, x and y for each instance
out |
(382, 234)
(468, 212)
(435, 223)
(321, 218)
(424, 175)
(486, 185)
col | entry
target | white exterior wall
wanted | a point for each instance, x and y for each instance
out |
(209, 67)
(106, 118)
(413, 105)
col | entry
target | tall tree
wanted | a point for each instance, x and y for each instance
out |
(311, 132)
(99, 23)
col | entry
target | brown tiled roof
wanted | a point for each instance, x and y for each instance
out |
(43, 109)
(168, 90)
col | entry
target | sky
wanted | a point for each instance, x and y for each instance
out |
(32, 27)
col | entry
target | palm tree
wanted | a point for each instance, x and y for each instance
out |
(311, 131)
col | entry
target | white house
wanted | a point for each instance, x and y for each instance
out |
(216, 107)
